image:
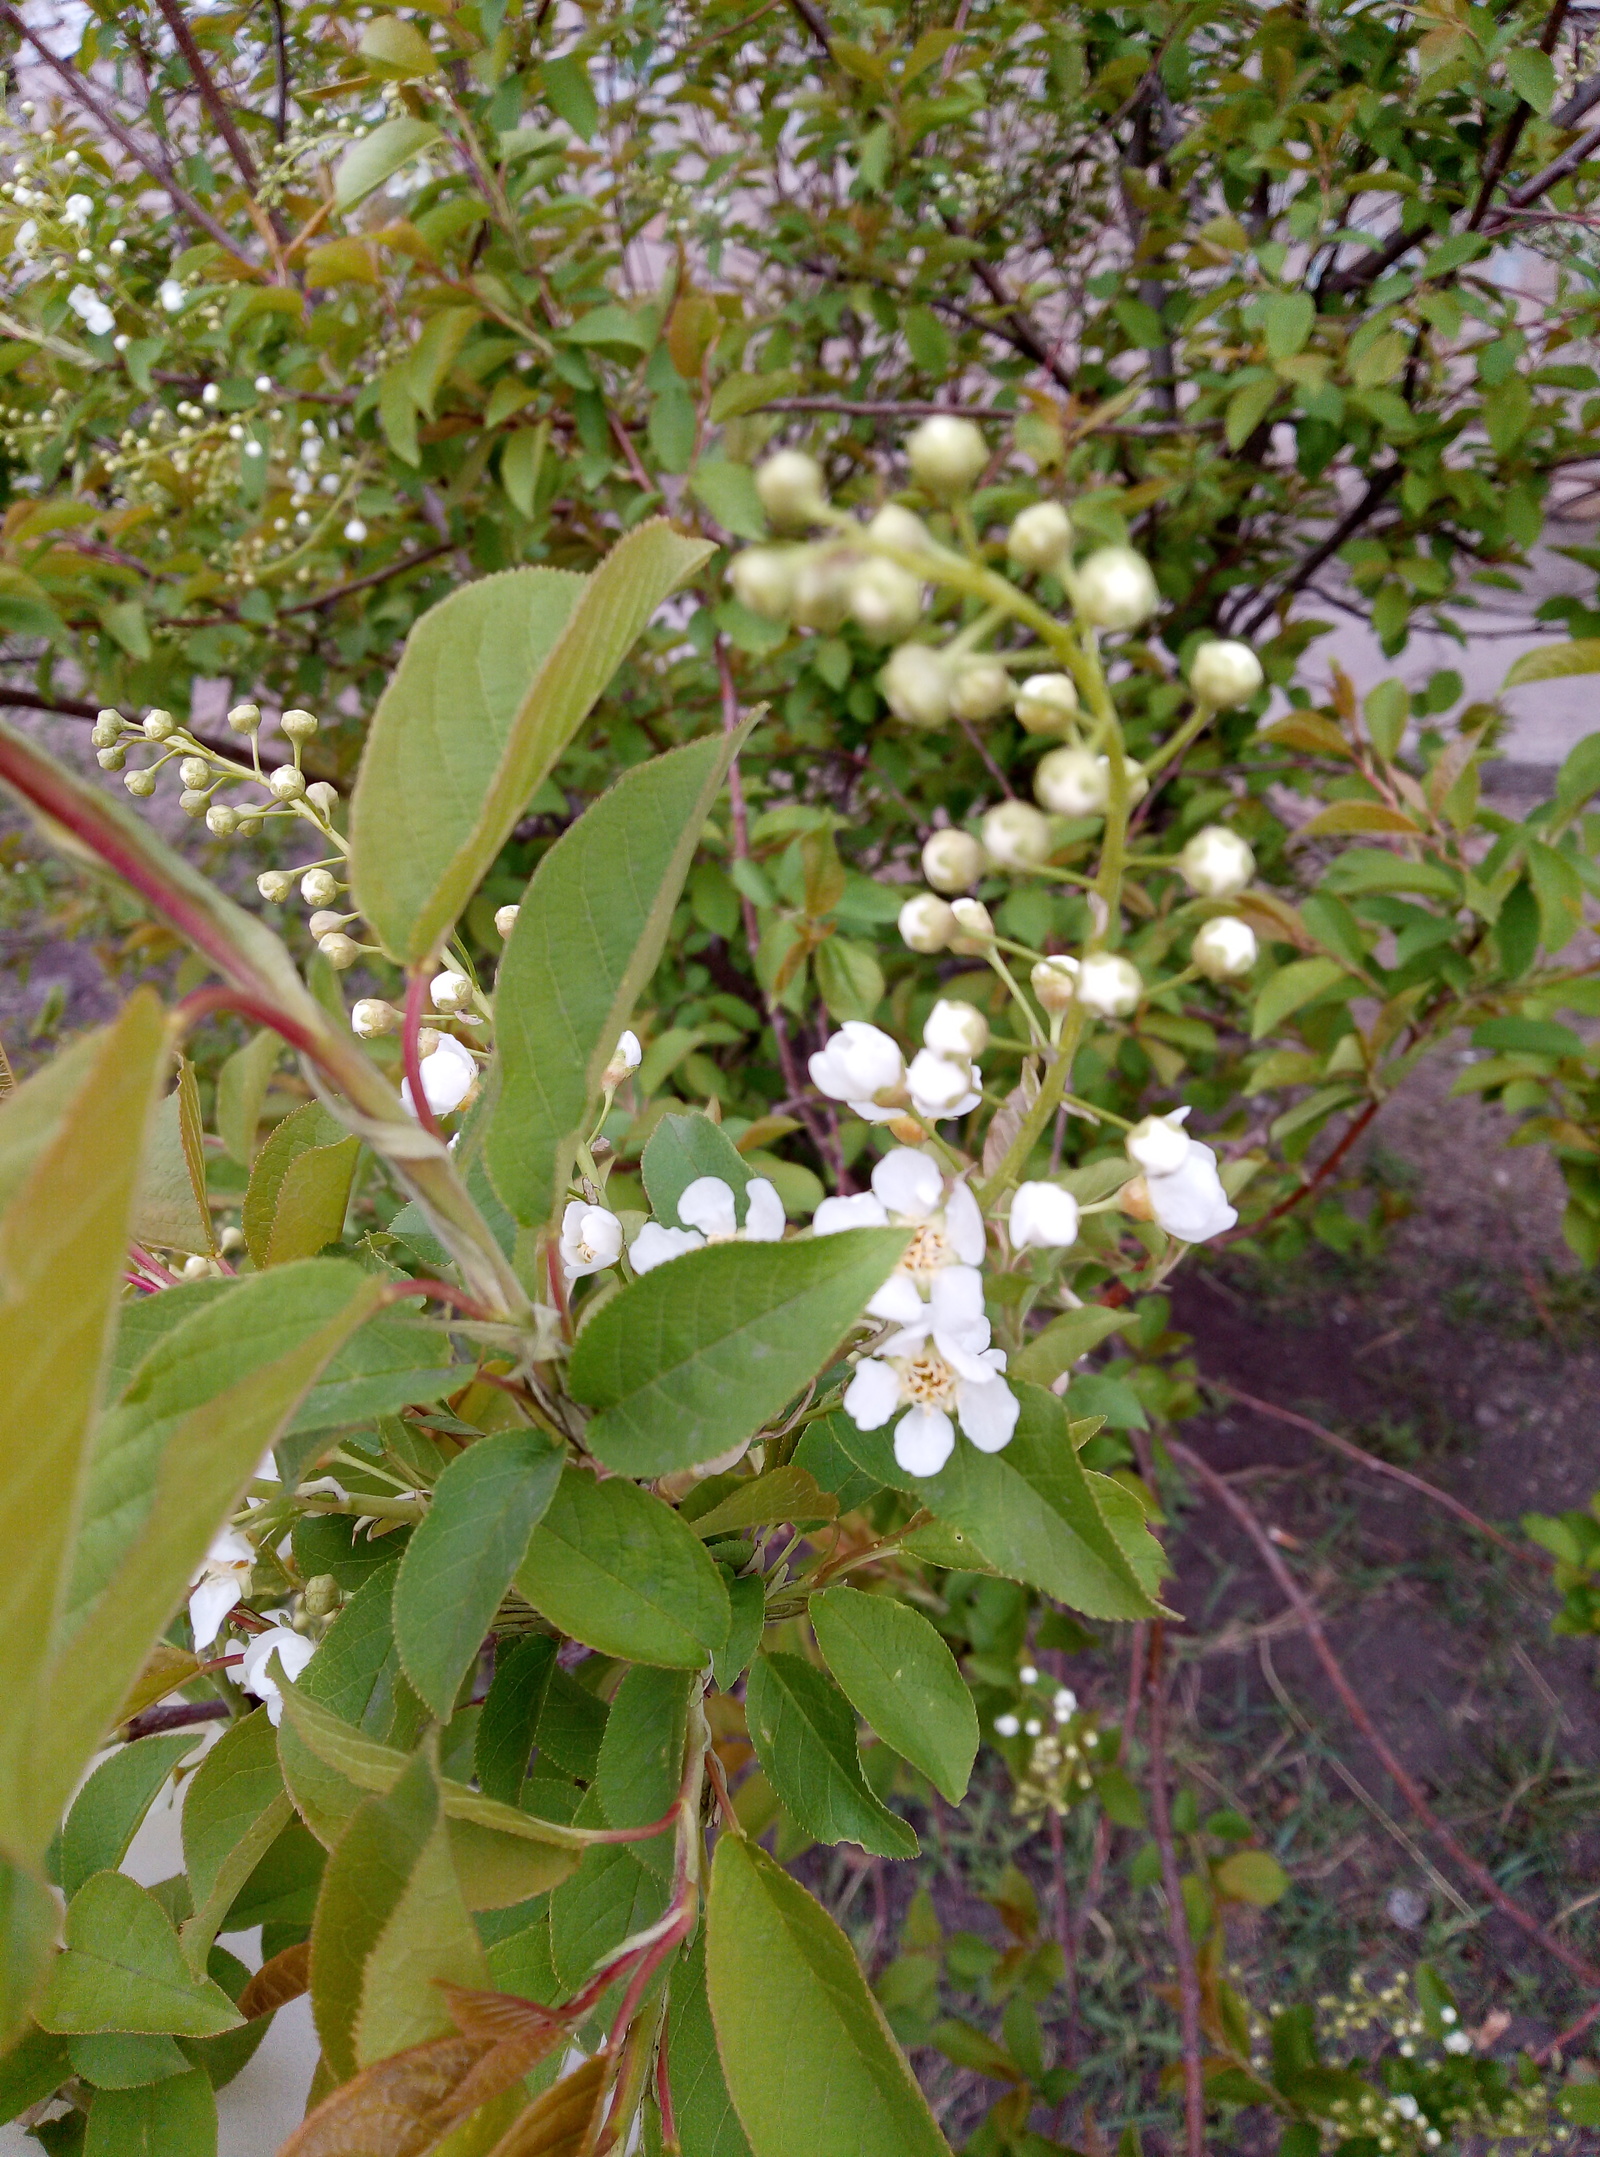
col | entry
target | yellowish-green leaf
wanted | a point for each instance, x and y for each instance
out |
(397, 49)
(299, 1187)
(166, 1213)
(1358, 816)
(378, 156)
(1290, 988)
(1555, 662)
(124, 1970)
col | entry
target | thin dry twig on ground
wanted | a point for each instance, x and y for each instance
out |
(1404, 1781)
(1194, 2097)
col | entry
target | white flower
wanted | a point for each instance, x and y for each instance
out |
(1006, 1726)
(1405, 2104)
(1055, 981)
(91, 311)
(941, 1361)
(946, 455)
(791, 489)
(1114, 589)
(1109, 985)
(448, 1076)
(505, 920)
(1225, 948)
(591, 1239)
(908, 1191)
(293, 1651)
(1017, 835)
(369, 1015)
(956, 1029)
(1457, 2041)
(941, 1086)
(858, 1064)
(916, 684)
(1040, 536)
(1189, 1201)
(975, 923)
(1072, 782)
(625, 1057)
(1045, 703)
(1225, 672)
(822, 588)
(1216, 863)
(1160, 1145)
(709, 1207)
(27, 239)
(79, 209)
(170, 295)
(355, 531)
(926, 923)
(1043, 1217)
(1065, 1704)
(952, 860)
(223, 1580)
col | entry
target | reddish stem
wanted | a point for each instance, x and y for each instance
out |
(669, 2119)
(411, 1026)
(1319, 1176)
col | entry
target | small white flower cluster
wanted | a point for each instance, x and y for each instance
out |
(1180, 1186)
(863, 1067)
(221, 1585)
(592, 1235)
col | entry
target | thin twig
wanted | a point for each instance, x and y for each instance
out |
(1194, 2094)
(210, 96)
(1404, 1781)
(1323, 1171)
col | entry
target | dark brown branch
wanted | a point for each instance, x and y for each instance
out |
(210, 96)
(813, 22)
(1355, 1708)
(1506, 148)
(1378, 488)
(1194, 2096)
(1559, 169)
(374, 576)
(1319, 1175)
(78, 89)
(177, 1717)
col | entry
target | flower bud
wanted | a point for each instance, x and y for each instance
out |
(222, 821)
(942, 1086)
(981, 690)
(916, 685)
(249, 826)
(428, 1040)
(974, 925)
(946, 455)
(286, 784)
(894, 526)
(195, 1268)
(626, 1057)
(1160, 1144)
(194, 801)
(298, 725)
(791, 489)
(371, 1016)
(275, 885)
(339, 950)
(1225, 948)
(108, 728)
(1216, 863)
(956, 1029)
(1114, 589)
(111, 759)
(1040, 536)
(926, 923)
(194, 771)
(763, 579)
(319, 887)
(324, 922)
(1016, 835)
(1046, 702)
(323, 797)
(450, 992)
(1225, 672)
(1043, 1217)
(1055, 981)
(822, 589)
(321, 1596)
(953, 860)
(139, 782)
(885, 600)
(1073, 782)
(158, 725)
(245, 718)
(1109, 985)
(505, 919)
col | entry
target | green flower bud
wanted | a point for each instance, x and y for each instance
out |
(286, 784)
(791, 489)
(916, 685)
(245, 718)
(158, 725)
(1225, 672)
(109, 727)
(1016, 835)
(894, 526)
(319, 887)
(926, 923)
(946, 456)
(222, 820)
(981, 690)
(111, 759)
(885, 599)
(1114, 589)
(323, 797)
(194, 771)
(763, 579)
(953, 860)
(298, 725)
(505, 919)
(275, 885)
(340, 951)
(822, 589)
(139, 782)
(1055, 982)
(194, 801)
(1046, 703)
(1040, 536)
(321, 1596)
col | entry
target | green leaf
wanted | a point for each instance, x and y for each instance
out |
(747, 1598)
(390, 1924)
(1288, 319)
(928, 341)
(166, 1212)
(698, 1354)
(1290, 988)
(34, 2065)
(805, 1739)
(397, 49)
(378, 156)
(504, 1740)
(172, 2118)
(107, 1812)
(299, 1187)
(610, 1897)
(463, 1557)
(1579, 776)
(72, 1164)
(570, 94)
(241, 1092)
(1035, 1512)
(615, 1568)
(789, 1493)
(849, 979)
(29, 1914)
(707, 2124)
(641, 1757)
(1063, 1341)
(492, 685)
(124, 1970)
(1532, 74)
(397, 412)
(1554, 662)
(590, 933)
(728, 490)
(118, 2060)
(1248, 407)
(682, 1148)
(1532, 1037)
(392, 1362)
(899, 1675)
(234, 1810)
(1252, 1876)
(356, 1671)
(1358, 816)
(808, 2057)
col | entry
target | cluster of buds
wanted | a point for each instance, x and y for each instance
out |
(1064, 1747)
(204, 771)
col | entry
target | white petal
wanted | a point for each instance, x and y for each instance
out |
(230, 1547)
(860, 1210)
(938, 1086)
(956, 1296)
(763, 1211)
(924, 1439)
(964, 1225)
(210, 1604)
(966, 1352)
(628, 1051)
(858, 1062)
(654, 1245)
(908, 1341)
(870, 1112)
(1160, 1144)
(988, 1410)
(1192, 1204)
(908, 1182)
(1043, 1216)
(898, 1301)
(872, 1395)
(707, 1203)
